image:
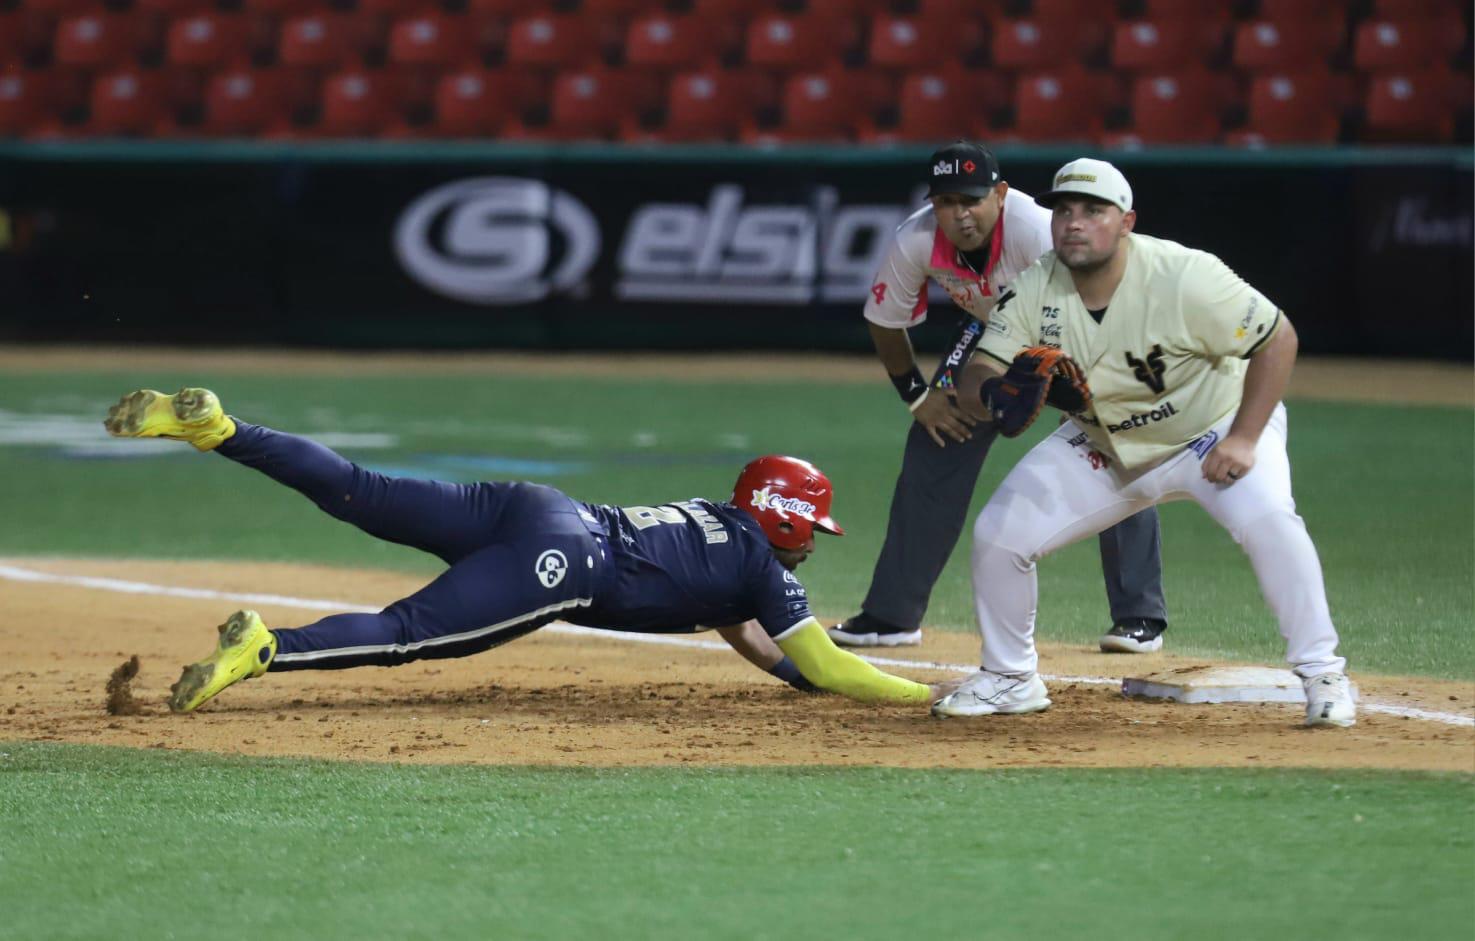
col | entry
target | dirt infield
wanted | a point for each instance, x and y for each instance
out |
(561, 699)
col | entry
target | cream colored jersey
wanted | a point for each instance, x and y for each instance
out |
(1166, 363)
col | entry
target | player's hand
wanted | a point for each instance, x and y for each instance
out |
(940, 415)
(1230, 460)
(945, 688)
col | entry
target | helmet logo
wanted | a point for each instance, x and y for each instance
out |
(782, 505)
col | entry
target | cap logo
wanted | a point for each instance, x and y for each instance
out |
(969, 167)
(945, 168)
(1075, 178)
(782, 505)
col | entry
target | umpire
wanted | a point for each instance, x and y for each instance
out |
(973, 238)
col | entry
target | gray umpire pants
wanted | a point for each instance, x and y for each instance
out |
(929, 508)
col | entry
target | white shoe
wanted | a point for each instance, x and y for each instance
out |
(986, 693)
(1329, 700)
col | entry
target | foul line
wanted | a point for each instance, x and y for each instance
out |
(14, 573)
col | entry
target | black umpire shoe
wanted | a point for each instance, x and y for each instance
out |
(863, 630)
(1134, 635)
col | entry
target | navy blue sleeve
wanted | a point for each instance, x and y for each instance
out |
(778, 597)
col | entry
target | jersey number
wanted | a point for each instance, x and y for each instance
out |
(644, 517)
(1150, 372)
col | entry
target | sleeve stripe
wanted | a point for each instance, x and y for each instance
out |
(1274, 325)
(793, 628)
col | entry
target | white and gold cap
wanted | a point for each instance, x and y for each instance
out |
(1085, 176)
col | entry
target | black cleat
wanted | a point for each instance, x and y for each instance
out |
(863, 630)
(1134, 635)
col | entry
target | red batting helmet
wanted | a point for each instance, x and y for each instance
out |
(789, 498)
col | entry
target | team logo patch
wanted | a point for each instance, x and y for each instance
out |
(550, 568)
(764, 500)
(1203, 445)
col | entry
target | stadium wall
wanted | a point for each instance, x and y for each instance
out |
(598, 247)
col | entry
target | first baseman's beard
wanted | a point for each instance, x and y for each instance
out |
(1087, 265)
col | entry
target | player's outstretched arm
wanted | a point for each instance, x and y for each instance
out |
(751, 641)
(839, 671)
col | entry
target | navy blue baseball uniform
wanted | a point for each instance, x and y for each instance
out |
(521, 555)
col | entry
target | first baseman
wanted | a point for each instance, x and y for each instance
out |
(975, 235)
(521, 555)
(1172, 369)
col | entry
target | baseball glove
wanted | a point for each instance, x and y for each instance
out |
(1038, 375)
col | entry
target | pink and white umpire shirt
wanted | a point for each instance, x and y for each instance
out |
(920, 251)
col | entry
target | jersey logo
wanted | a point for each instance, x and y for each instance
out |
(1004, 298)
(1150, 372)
(878, 291)
(550, 568)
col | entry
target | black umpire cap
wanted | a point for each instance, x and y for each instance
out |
(962, 167)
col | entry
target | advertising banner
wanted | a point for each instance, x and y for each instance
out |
(717, 249)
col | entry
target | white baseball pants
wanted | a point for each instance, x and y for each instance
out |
(1063, 491)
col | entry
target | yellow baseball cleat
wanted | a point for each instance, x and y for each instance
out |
(192, 415)
(245, 650)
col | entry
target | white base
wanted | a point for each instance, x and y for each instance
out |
(1220, 684)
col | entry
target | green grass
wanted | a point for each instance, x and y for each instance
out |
(119, 843)
(1386, 492)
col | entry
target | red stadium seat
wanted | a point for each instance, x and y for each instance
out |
(277, 8)
(670, 41)
(509, 8)
(1178, 108)
(476, 102)
(355, 103)
(128, 101)
(1408, 44)
(1217, 11)
(396, 9)
(1089, 20)
(589, 104)
(323, 40)
(244, 102)
(96, 40)
(899, 42)
(1295, 44)
(25, 102)
(1403, 9)
(937, 106)
(1059, 106)
(1414, 106)
(1291, 108)
(1280, 11)
(1164, 44)
(209, 39)
(716, 10)
(620, 9)
(1032, 44)
(172, 8)
(706, 105)
(62, 8)
(23, 34)
(823, 104)
(791, 42)
(432, 39)
(553, 40)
